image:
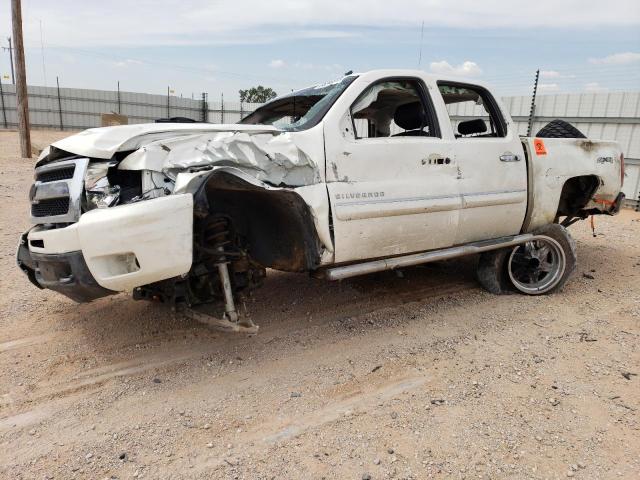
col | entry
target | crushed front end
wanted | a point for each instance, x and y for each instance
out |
(92, 234)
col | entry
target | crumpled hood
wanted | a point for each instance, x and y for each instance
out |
(261, 151)
(105, 141)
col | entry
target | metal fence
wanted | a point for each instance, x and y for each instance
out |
(603, 116)
(606, 116)
(76, 109)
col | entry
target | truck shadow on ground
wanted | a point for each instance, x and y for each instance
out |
(289, 301)
(285, 301)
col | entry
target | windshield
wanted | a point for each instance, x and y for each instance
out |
(299, 110)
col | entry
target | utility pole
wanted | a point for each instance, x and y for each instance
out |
(10, 50)
(532, 112)
(22, 102)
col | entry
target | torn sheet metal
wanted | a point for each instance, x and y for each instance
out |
(269, 157)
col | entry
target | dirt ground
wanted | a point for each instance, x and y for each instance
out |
(408, 376)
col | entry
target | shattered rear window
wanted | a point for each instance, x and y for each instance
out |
(299, 110)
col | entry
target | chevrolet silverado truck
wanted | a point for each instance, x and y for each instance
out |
(380, 170)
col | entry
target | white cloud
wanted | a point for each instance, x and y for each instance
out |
(203, 22)
(548, 87)
(127, 62)
(549, 74)
(334, 67)
(617, 59)
(67, 58)
(277, 63)
(324, 33)
(554, 74)
(466, 69)
(595, 87)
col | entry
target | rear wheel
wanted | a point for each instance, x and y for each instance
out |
(537, 267)
(543, 265)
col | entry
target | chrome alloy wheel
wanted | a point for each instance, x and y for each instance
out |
(537, 266)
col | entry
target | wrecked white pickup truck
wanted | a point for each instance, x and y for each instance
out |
(380, 170)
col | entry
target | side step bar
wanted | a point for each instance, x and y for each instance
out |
(353, 270)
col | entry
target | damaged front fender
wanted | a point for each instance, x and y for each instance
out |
(270, 158)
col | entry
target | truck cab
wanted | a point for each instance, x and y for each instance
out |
(415, 167)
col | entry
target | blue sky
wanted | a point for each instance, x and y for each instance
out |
(222, 46)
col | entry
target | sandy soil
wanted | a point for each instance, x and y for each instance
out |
(414, 376)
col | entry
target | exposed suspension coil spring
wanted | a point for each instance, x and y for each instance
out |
(216, 238)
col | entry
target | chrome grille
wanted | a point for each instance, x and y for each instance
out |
(51, 207)
(55, 196)
(64, 173)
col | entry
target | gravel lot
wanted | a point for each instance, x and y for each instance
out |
(410, 376)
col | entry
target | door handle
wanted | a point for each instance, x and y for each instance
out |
(509, 157)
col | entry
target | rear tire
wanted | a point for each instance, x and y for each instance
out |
(492, 272)
(522, 268)
(559, 129)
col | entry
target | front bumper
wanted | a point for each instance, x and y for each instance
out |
(65, 273)
(113, 249)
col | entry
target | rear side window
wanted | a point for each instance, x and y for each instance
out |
(396, 108)
(473, 111)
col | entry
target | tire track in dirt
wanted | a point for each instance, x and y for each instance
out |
(344, 406)
(99, 375)
(86, 380)
(51, 397)
(25, 342)
(350, 404)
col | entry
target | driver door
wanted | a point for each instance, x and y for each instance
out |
(391, 178)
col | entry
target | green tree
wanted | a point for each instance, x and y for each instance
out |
(257, 94)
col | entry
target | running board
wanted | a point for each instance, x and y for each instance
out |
(353, 270)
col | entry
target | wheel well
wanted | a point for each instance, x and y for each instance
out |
(275, 226)
(576, 193)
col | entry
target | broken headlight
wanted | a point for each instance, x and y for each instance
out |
(99, 193)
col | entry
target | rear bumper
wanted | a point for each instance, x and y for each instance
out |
(112, 250)
(617, 204)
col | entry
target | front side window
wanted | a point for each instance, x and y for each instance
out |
(393, 108)
(473, 111)
(299, 110)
